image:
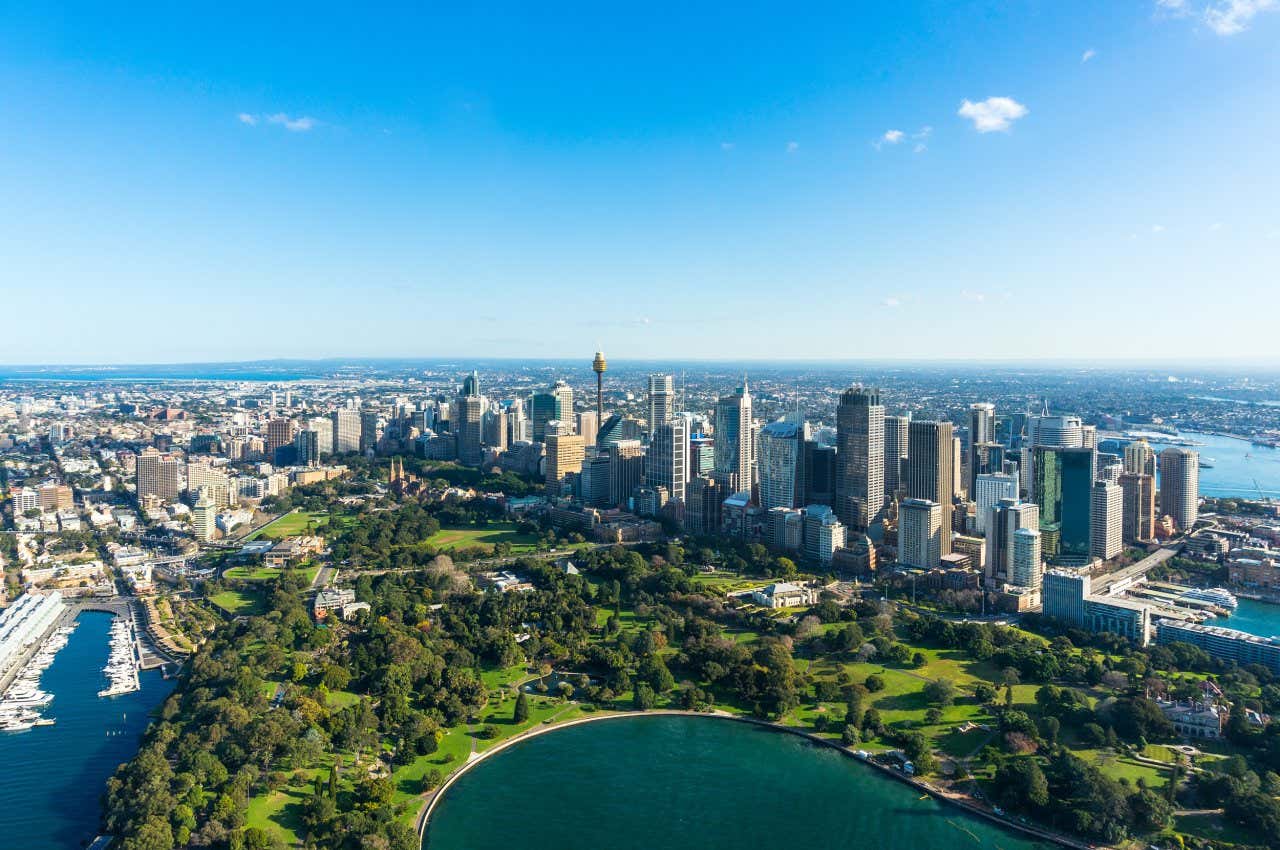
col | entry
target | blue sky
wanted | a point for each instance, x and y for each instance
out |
(1025, 179)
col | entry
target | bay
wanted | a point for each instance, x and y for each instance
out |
(686, 782)
(54, 776)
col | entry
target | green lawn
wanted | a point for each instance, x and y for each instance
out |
(291, 525)
(464, 538)
(266, 573)
(1122, 767)
(238, 602)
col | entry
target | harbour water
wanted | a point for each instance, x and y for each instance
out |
(1237, 465)
(1256, 618)
(692, 783)
(53, 776)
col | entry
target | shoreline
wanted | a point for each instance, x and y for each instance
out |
(959, 801)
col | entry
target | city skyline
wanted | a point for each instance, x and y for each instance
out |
(918, 170)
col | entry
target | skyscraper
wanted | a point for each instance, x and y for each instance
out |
(1027, 568)
(988, 491)
(468, 425)
(920, 533)
(588, 426)
(346, 430)
(1139, 507)
(734, 447)
(1003, 522)
(780, 464)
(1140, 458)
(565, 453)
(929, 469)
(1063, 488)
(859, 480)
(667, 461)
(895, 451)
(702, 506)
(204, 516)
(661, 399)
(553, 404)
(1180, 486)
(1106, 521)
(626, 470)
(982, 431)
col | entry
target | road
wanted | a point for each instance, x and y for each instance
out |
(1103, 584)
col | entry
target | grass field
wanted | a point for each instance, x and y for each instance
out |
(238, 602)
(291, 525)
(265, 573)
(465, 538)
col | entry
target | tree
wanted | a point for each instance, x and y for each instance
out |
(644, 698)
(1020, 783)
(941, 692)
(874, 683)
(521, 713)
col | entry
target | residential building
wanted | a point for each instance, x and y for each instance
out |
(1138, 508)
(920, 533)
(1180, 486)
(1106, 521)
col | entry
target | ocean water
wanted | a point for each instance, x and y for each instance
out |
(691, 783)
(53, 777)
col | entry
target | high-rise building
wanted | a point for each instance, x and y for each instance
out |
(1140, 458)
(988, 490)
(859, 501)
(667, 461)
(735, 449)
(982, 431)
(1139, 508)
(1064, 432)
(1027, 565)
(370, 431)
(594, 483)
(920, 533)
(1003, 521)
(662, 399)
(588, 426)
(553, 404)
(204, 516)
(306, 449)
(780, 462)
(895, 452)
(930, 473)
(1180, 486)
(324, 434)
(280, 432)
(1063, 488)
(1106, 524)
(702, 505)
(823, 533)
(565, 453)
(626, 470)
(346, 430)
(158, 474)
(468, 425)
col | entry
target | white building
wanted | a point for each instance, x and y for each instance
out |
(920, 533)
(1027, 570)
(1106, 521)
(989, 489)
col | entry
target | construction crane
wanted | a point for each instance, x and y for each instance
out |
(1262, 496)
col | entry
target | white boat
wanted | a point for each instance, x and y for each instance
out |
(1219, 596)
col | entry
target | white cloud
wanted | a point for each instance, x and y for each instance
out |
(924, 133)
(891, 302)
(969, 295)
(1087, 55)
(300, 124)
(792, 147)
(726, 146)
(992, 114)
(246, 118)
(920, 147)
(892, 137)
(1228, 17)
(1157, 228)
